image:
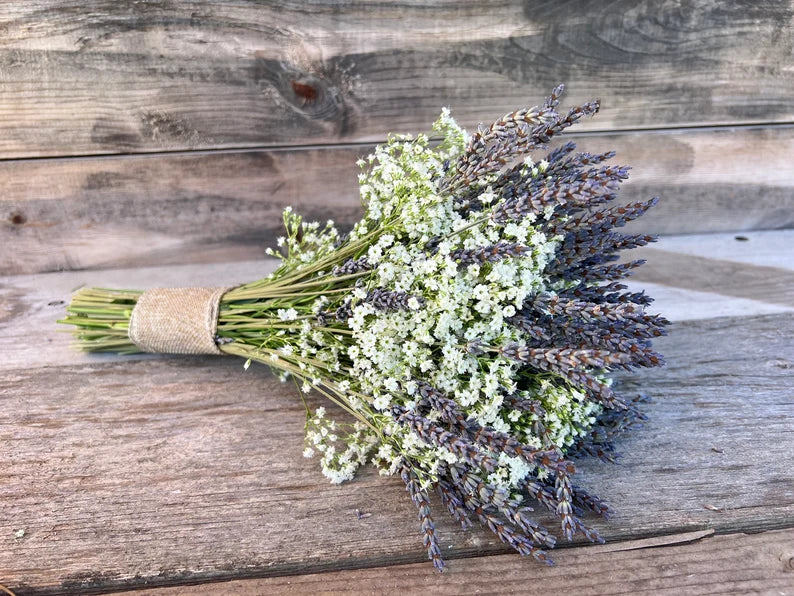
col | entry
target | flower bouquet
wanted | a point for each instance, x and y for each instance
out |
(464, 327)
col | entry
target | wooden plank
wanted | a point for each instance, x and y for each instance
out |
(771, 284)
(711, 275)
(771, 248)
(684, 304)
(117, 212)
(222, 206)
(685, 288)
(184, 75)
(716, 265)
(132, 472)
(731, 564)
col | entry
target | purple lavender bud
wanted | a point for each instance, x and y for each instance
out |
(352, 266)
(488, 254)
(433, 434)
(422, 503)
(391, 299)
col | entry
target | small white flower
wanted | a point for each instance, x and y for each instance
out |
(287, 314)
(508, 311)
(391, 384)
(382, 402)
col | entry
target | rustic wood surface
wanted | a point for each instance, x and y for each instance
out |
(171, 75)
(130, 472)
(155, 143)
(202, 207)
(678, 565)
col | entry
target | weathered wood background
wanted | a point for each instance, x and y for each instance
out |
(155, 143)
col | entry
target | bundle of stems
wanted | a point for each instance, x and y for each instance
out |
(465, 326)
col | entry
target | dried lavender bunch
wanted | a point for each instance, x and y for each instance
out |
(466, 324)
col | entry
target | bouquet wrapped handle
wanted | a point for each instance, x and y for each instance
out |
(177, 320)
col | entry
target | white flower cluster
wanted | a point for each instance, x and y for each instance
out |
(452, 305)
(340, 455)
(304, 243)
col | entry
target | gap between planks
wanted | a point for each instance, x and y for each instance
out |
(369, 145)
(675, 565)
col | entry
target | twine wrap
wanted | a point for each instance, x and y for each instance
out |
(176, 320)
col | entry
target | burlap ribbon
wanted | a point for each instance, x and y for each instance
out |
(177, 320)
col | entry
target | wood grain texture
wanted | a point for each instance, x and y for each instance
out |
(222, 206)
(118, 77)
(126, 473)
(731, 564)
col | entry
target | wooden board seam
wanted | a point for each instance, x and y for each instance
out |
(678, 539)
(230, 150)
